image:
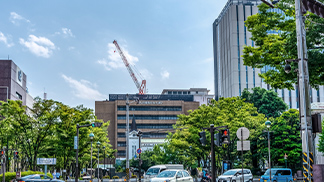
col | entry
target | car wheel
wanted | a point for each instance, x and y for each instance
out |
(250, 180)
(233, 180)
(274, 180)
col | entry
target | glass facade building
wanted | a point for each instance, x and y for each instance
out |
(230, 35)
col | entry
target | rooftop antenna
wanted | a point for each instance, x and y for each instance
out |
(45, 94)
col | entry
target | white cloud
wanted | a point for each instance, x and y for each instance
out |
(82, 89)
(114, 60)
(165, 74)
(65, 32)
(16, 18)
(40, 46)
(4, 39)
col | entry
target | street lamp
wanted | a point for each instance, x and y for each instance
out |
(98, 145)
(268, 124)
(104, 147)
(91, 136)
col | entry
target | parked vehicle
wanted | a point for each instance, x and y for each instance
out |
(37, 178)
(157, 169)
(235, 175)
(172, 175)
(277, 175)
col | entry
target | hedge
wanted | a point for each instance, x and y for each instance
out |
(12, 175)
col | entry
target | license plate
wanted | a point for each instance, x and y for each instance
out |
(265, 180)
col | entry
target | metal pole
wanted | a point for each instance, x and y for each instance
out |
(91, 163)
(242, 153)
(104, 159)
(269, 151)
(139, 156)
(304, 109)
(127, 135)
(98, 165)
(76, 157)
(212, 152)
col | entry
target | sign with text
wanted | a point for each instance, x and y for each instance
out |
(46, 161)
(246, 145)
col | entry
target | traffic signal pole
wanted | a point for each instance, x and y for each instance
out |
(304, 109)
(211, 130)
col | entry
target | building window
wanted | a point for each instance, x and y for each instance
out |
(169, 92)
(238, 49)
(155, 135)
(133, 150)
(318, 95)
(297, 96)
(121, 135)
(150, 117)
(148, 126)
(290, 103)
(150, 108)
(19, 96)
(311, 94)
(185, 92)
(121, 144)
(121, 153)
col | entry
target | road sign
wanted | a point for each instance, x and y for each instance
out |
(75, 142)
(243, 133)
(246, 145)
(139, 151)
(46, 161)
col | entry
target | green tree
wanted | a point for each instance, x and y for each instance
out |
(272, 49)
(284, 139)
(266, 101)
(321, 139)
(233, 112)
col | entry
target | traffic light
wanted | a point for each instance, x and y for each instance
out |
(3, 152)
(218, 139)
(314, 6)
(225, 136)
(96, 124)
(16, 155)
(202, 138)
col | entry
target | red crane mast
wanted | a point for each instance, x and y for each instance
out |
(141, 87)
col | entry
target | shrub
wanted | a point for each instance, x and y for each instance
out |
(134, 176)
(115, 177)
(106, 177)
(12, 175)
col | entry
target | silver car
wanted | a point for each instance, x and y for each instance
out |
(235, 175)
(173, 176)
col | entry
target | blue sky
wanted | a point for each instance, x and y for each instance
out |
(65, 47)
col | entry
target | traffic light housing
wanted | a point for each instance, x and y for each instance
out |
(16, 155)
(96, 124)
(3, 152)
(225, 136)
(218, 139)
(202, 138)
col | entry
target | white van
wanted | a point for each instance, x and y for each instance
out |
(155, 170)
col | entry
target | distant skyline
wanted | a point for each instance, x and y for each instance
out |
(65, 47)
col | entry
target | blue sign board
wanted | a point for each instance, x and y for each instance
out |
(139, 151)
(225, 166)
(75, 142)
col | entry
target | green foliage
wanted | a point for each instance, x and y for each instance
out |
(273, 49)
(284, 139)
(134, 176)
(321, 139)
(12, 175)
(115, 177)
(106, 177)
(48, 130)
(266, 101)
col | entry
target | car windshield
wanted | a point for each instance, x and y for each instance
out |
(153, 171)
(167, 174)
(230, 172)
(273, 171)
(33, 176)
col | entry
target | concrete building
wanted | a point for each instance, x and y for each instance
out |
(153, 113)
(13, 83)
(229, 37)
(201, 95)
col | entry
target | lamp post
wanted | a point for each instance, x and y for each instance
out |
(268, 124)
(91, 136)
(98, 145)
(104, 147)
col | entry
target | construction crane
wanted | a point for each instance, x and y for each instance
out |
(141, 87)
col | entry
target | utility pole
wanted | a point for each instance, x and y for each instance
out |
(127, 137)
(139, 134)
(305, 108)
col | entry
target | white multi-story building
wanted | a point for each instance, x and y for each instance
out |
(201, 95)
(230, 36)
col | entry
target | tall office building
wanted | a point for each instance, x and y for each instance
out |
(13, 84)
(229, 37)
(154, 114)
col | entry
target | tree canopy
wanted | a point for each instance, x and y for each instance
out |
(274, 35)
(266, 101)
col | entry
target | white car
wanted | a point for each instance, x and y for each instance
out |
(235, 175)
(173, 176)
